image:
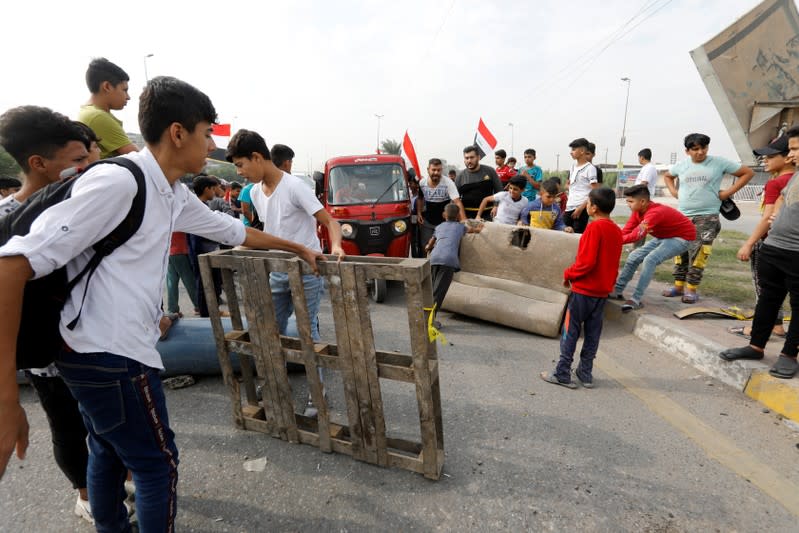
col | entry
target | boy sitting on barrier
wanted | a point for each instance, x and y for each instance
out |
(591, 278)
(443, 248)
(510, 202)
(673, 234)
(544, 212)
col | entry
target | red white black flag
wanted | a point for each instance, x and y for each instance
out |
(484, 140)
(409, 153)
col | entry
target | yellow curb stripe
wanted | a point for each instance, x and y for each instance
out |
(716, 445)
(779, 395)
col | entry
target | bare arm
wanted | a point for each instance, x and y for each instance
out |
(744, 175)
(668, 179)
(16, 271)
(333, 230)
(745, 252)
(430, 244)
(462, 211)
(265, 241)
(483, 205)
(128, 148)
(247, 211)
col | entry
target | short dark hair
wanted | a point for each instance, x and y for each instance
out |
(551, 186)
(603, 198)
(696, 139)
(529, 151)
(100, 70)
(281, 153)
(452, 211)
(452, 171)
(501, 153)
(244, 143)
(646, 153)
(201, 182)
(511, 158)
(518, 181)
(591, 149)
(471, 148)
(8, 182)
(166, 100)
(89, 136)
(235, 185)
(32, 130)
(556, 179)
(434, 161)
(793, 132)
(582, 142)
(637, 191)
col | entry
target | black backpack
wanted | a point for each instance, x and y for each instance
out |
(39, 339)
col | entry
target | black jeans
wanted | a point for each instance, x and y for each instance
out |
(778, 276)
(583, 314)
(442, 278)
(577, 224)
(66, 427)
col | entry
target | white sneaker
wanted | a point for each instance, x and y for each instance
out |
(84, 510)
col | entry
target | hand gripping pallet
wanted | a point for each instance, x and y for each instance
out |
(263, 354)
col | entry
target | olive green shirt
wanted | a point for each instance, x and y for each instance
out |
(107, 127)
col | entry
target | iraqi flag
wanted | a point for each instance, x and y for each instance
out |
(484, 140)
(409, 153)
(220, 130)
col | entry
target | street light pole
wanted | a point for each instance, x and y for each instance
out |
(623, 140)
(557, 163)
(378, 131)
(511, 138)
(146, 77)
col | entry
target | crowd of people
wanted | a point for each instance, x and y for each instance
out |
(108, 454)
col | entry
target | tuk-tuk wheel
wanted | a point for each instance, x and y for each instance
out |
(378, 289)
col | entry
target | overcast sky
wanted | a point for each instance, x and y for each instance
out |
(313, 74)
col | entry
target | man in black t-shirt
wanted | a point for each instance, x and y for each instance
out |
(476, 181)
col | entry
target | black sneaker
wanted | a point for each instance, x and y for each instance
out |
(631, 305)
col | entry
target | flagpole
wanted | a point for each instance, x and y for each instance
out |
(378, 131)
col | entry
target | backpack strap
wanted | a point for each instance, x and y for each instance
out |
(119, 235)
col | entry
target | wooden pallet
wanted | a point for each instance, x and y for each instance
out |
(263, 354)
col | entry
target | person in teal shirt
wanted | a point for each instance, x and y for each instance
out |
(700, 198)
(532, 173)
(246, 204)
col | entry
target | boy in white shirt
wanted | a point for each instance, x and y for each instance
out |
(509, 203)
(648, 173)
(109, 361)
(582, 178)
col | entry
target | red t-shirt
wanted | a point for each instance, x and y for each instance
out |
(505, 173)
(179, 244)
(773, 188)
(597, 263)
(662, 222)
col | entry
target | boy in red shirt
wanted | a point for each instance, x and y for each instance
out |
(591, 278)
(673, 233)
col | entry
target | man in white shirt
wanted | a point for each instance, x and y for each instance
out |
(109, 361)
(648, 173)
(438, 191)
(582, 178)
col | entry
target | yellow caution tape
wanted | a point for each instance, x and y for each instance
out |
(432, 333)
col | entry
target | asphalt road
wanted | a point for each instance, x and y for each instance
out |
(655, 447)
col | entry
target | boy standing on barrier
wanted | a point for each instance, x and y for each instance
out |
(582, 179)
(778, 277)
(591, 279)
(700, 199)
(673, 233)
(288, 209)
(109, 360)
(444, 247)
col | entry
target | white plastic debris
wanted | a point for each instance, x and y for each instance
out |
(255, 465)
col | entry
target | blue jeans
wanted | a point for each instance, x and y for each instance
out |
(651, 255)
(124, 410)
(180, 269)
(314, 287)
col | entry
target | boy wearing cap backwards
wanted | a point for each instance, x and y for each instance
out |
(591, 279)
(700, 198)
(778, 277)
(672, 233)
(782, 168)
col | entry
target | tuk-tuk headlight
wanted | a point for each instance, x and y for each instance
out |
(399, 226)
(347, 230)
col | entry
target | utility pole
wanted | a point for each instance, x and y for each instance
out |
(378, 131)
(511, 138)
(146, 76)
(557, 164)
(623, 140)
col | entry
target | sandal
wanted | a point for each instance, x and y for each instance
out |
(549, 377)
(785, 367)
(671, 292)
(740, 331)
(744, 352)
(689, 298)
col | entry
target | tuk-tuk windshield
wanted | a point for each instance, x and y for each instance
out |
(367, 184)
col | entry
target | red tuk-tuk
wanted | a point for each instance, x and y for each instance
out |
(369, 197)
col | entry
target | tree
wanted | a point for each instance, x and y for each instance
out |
(390, 146)
(8, 167)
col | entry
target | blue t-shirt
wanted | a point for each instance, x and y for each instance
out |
(538, 216)
(537, 174)
(244, 197)
(700, 183)
(448, 236)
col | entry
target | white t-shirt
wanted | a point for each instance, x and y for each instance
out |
(9, 204)
(445, 191)
(649, 174)
(580, 180)
(289, 212)
(508, 210)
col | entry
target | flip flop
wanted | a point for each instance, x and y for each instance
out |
(785, 367)
(689, 298)
(549, 377)
(744, 352)
(739, 330)
(672, 292)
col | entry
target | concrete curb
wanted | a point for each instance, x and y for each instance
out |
(750, 377)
